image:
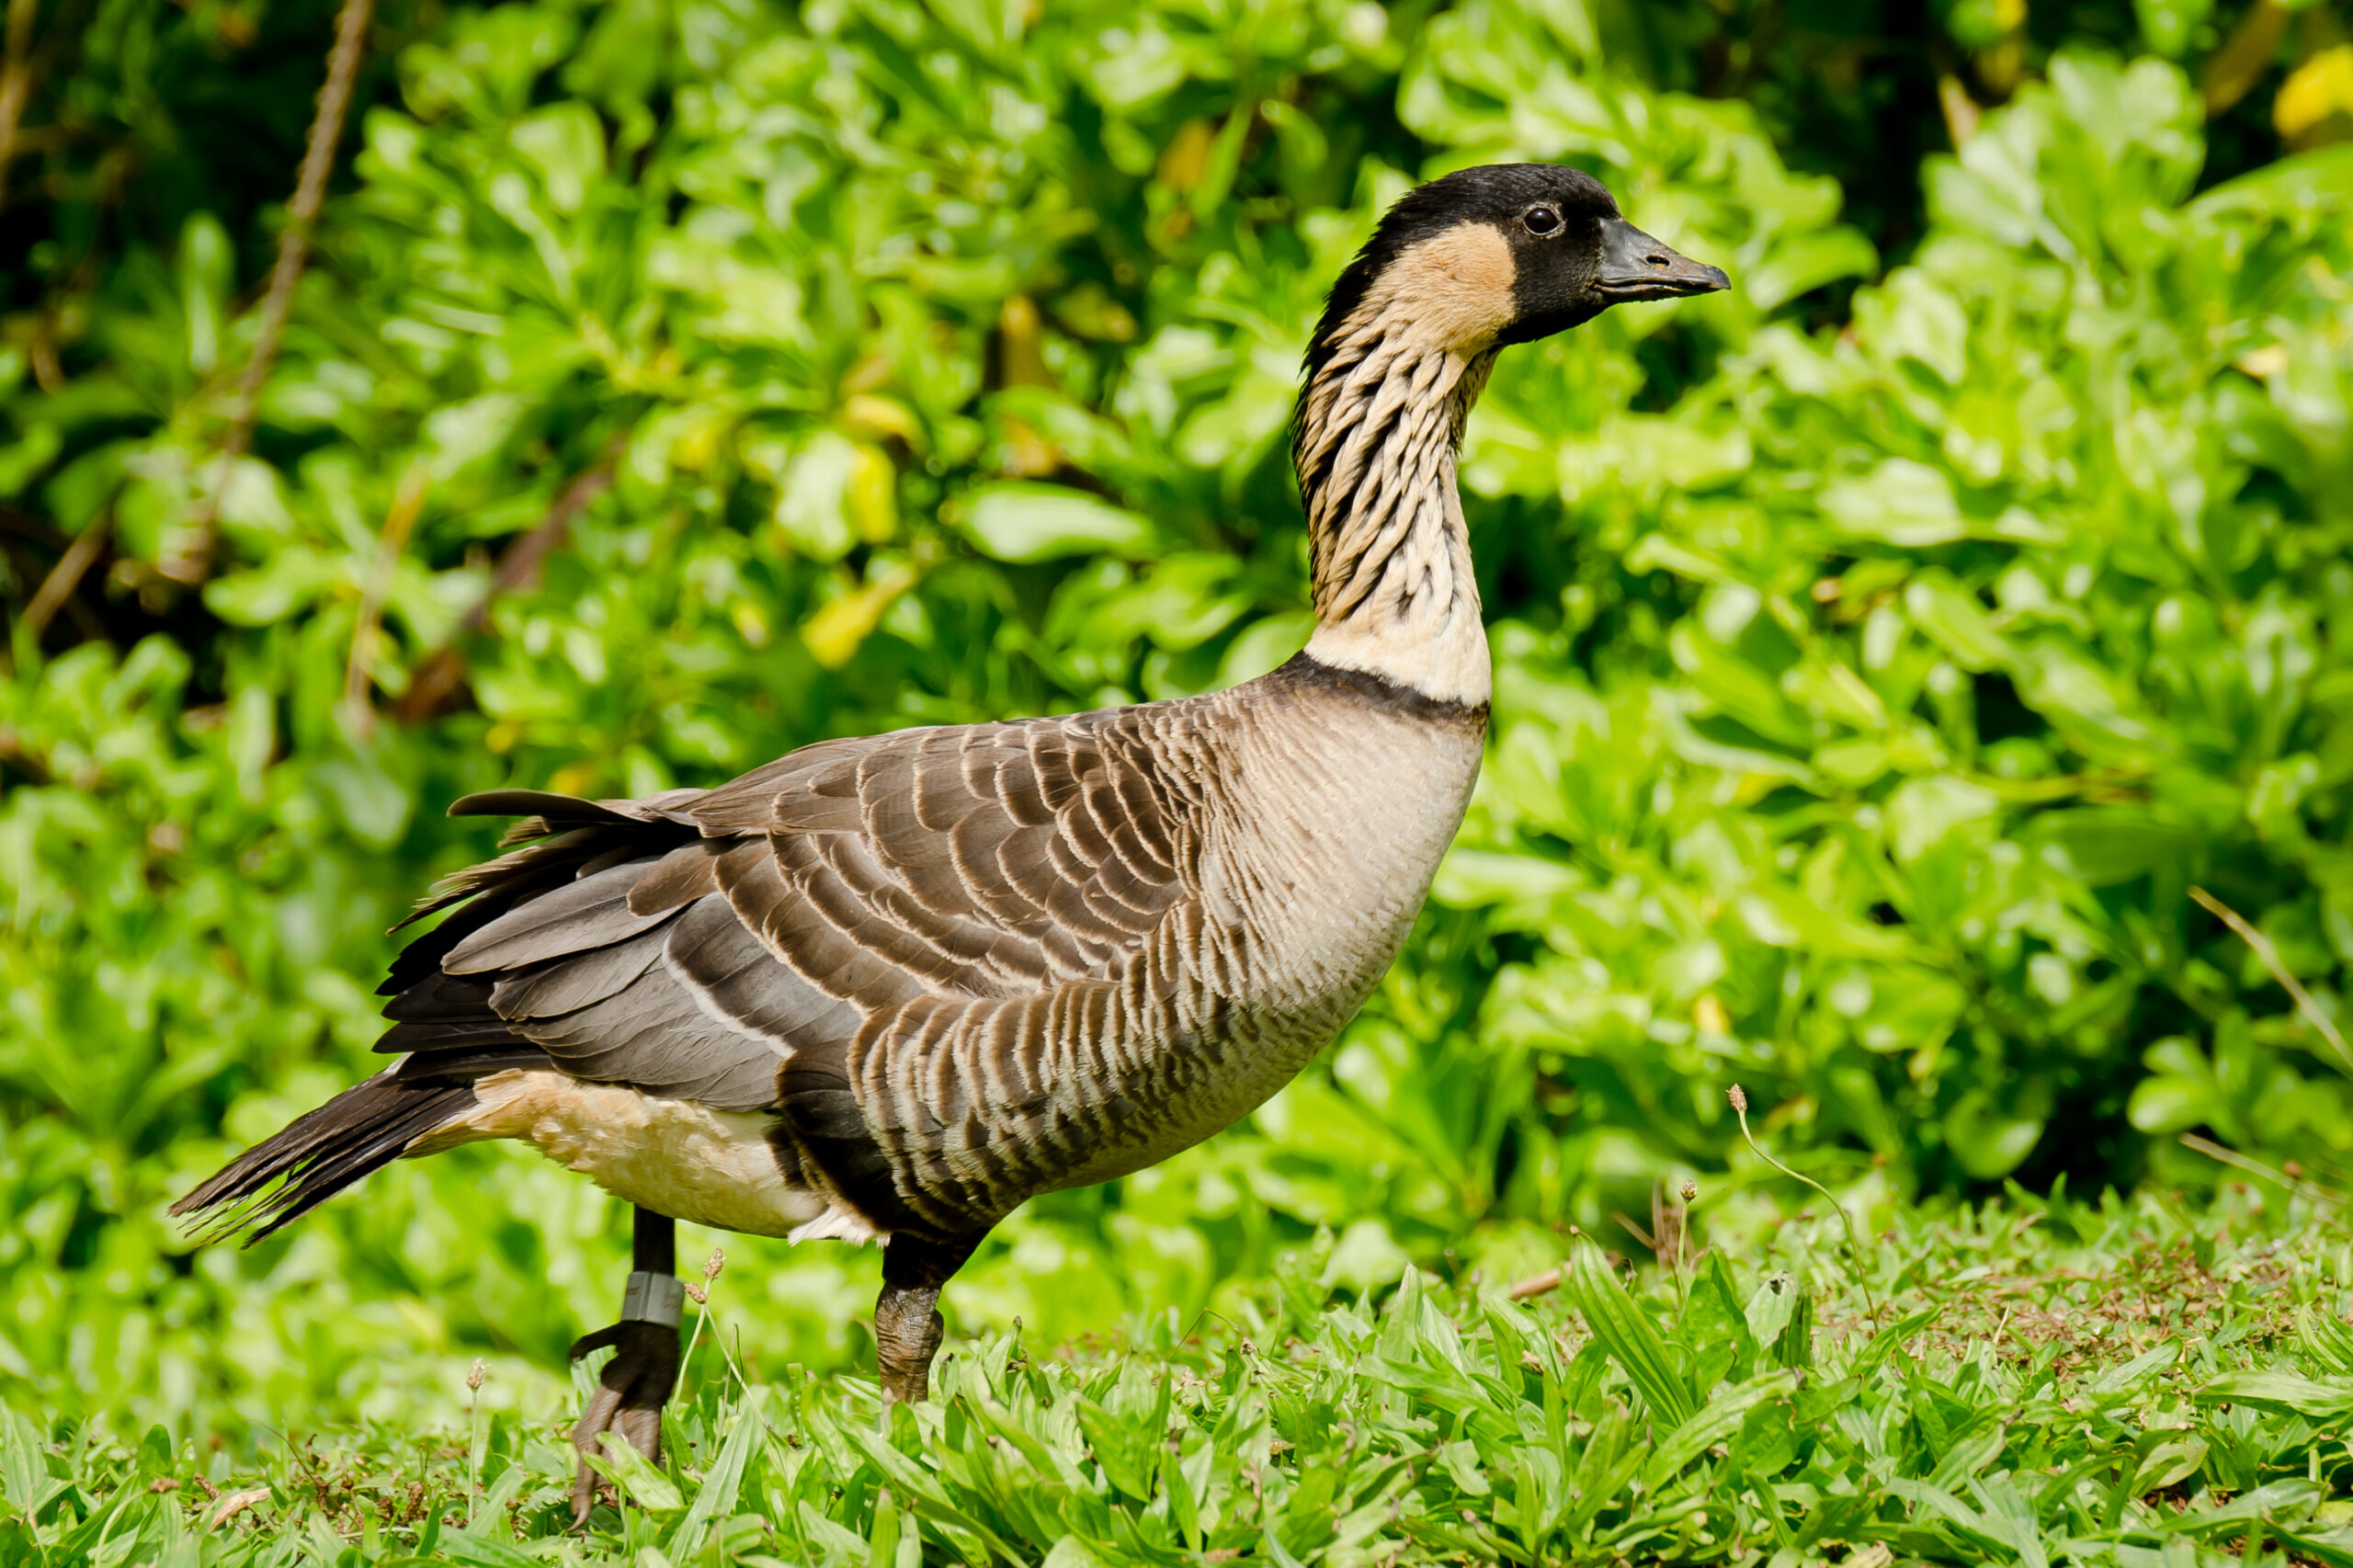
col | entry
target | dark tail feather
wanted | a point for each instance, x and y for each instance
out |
(282, 1179)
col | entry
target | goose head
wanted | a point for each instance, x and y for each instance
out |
(1501, 254)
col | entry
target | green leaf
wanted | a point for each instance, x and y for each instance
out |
(1038, 522)
(644, 1485)
(2104, 846)
(2327, 1401)
(1716, 1421)
(1622, 1329)
(1900, 502)
(1715, 1326)
(2318, 181)
(2169, 1104)
(1805, 262)
(2170, 1465)
(1924, 812)
(1952, 617)
(567, 145)
(715, 1498)
(1988, 1137)
(1794, 1348)
(480, 1551)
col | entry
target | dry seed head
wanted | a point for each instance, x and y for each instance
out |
(713, 1264)
(696, 1291)
(1739, 1097)
(1690, 1192)
(477, 1374)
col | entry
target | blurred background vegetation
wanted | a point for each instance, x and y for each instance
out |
(1885, 648)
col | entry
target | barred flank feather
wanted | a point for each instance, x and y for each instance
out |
(361, 1129)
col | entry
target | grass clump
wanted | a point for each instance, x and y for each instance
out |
(2131, 1382)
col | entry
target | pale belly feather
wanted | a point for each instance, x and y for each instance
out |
(710, 1167)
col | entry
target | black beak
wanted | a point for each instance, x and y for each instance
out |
(1636, 267)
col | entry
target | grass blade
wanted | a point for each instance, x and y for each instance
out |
(1627, 1334)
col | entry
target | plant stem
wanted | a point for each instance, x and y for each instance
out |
(441, 673)
(2268, 956)
(358, 713)
(1739, 1098)
(193, 560)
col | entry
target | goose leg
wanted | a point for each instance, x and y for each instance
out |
(637, 1381)
(907, 1325)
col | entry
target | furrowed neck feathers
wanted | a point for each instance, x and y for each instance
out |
(1392, 378)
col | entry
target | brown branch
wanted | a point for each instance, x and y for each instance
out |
(16, 84)
(358, 713)
(66, 575)
(2233, 70)
(1536, 1285)
(13, 753)
(2268, 956)
(27, 526)
(193, 560)
(435, 682)
(1961, 112)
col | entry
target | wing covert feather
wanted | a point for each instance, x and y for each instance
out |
(890, 941)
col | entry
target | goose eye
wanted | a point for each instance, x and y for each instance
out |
(1541, 221)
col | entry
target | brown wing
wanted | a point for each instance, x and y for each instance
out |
(768, 943)
(986, 861)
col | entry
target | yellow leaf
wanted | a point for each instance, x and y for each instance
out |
(699, 437)
(872, 494)
(2318, 89)
(1027, 454)
(834, 633)
(866, 415)
(1020, 361)
(2265, 362)
(1187, 158)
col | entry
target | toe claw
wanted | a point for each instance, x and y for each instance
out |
(631, 1392)
(641, 1428)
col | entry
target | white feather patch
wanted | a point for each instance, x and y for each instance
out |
(710, 1167)
(839, 1224)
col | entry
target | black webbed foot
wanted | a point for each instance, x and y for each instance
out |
(907, 1325)
(637, 1382)
(630, 1395)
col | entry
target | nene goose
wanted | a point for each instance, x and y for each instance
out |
(887, 988)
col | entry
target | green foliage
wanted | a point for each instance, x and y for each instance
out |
(2113, 1385)
(1995, 624)
(1884, 648)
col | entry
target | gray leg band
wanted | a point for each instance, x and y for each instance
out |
(654, 1298)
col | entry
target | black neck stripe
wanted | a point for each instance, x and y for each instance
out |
(1303, 672)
